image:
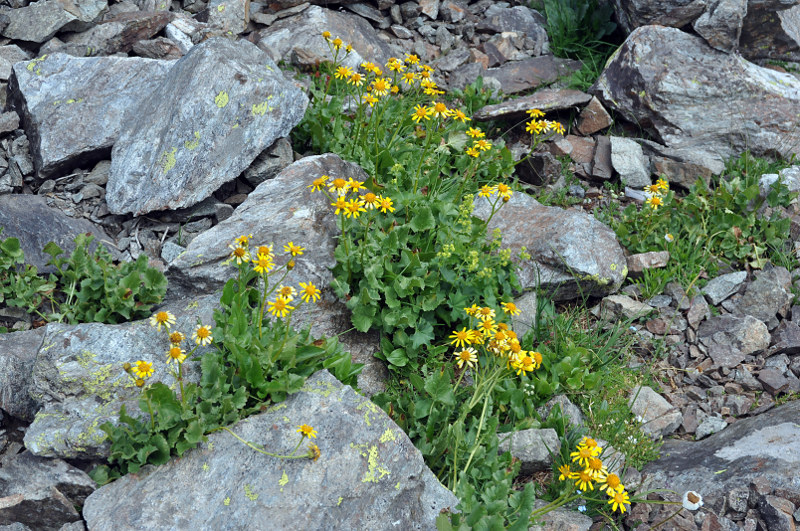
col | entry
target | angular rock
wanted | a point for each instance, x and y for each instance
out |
(72, 108)
(729, 338)
(773, 381)
(117, 34)
(677, 13)
(231, 103)
(657, 416)
(534, 448)
(560, 519)
(720, 288)
(297, 39)
(79, 380)
(28, 218)
(709, 425)
(629, 161)
(637, 263)
(759, 447)
(698, 311)
(41, 493)
(270, 162)
(545, 100)
(601, 163)
(17, 356)
(528, 74)
(158, 48)
(623, 307)
(429, 8)
(785, 339)
(231, 16)
(570, 411)
(789, 177)
(765, 297)
(527, 305)
(519, 19)
(38, 21)
(777, 513)
(770, 31)
(721, 24)
(667, 80)
(369, 473)
(9, 121)
(561, 264)
(593, 118)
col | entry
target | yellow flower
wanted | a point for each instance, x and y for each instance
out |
(461, 338)
(486, 191)
(356, 79)
(337, 43)
(582, 456)
(557, 127)
(421, 112)
(202, 335)
(395, 65)
(340, 204)
(535, 113)
(619, 500)
(565, 472)
(537, 359)
(483, 145)
(370, 200)
(459, 116)
(307, 431)
(487, 327)
(354, 208)
(653, 189)
(348, 48)
(472, 310)
(669, 237)
(279, 308)
(294, 250)
(309, 292)
(440, 110)
(243, 240)
(240, 254)
(319, 183)
(610, 483)
(368, 66)
(663, 184)
(263, 264)
(266, 250)
(176, 338)
(370, 99)
(381, 86)
(584, 480)
(654, 202)
(412, 59)
(523, 364)
(313, 452)
(510, 308)
(338, 186)
(286, 292)
(485, 312)
(504, 191)
(409, 78)
(466, 356)
(596, 468)
(472, 152)
(475, 132)
(355, 186)
(426, 68)
(395, 89)
(385, 204)
(176, 354)
(143, 369)
(343, 72)
(326, 35)
(162, 318)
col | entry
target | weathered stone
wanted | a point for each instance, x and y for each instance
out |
(569, 411)
(593, 118)
(561, 264)
(777, 513)
(637, 263)
(770, 31)
(231, 16)
(528, 74)
(9, 121)
(635, 13)
(466, 74)
(698, 311)
(773, 380)
(657, 416)
(765, 297)
(720, 288)
(623, 306)
(579, 149)
(538, 169)
(653, 80)
(72, 108)
(560, 519)
(17, 356)
(721, 23)
(297, 39)
(41, 493)
(601, 163)
(37, 22)
(369, 474)
(234, 104)
(117, 34)
(789, 177)
(534, 448)
(730, 338)
(401, 32)
(158, 48)
(369, 13)
(270, 162)
(429, 8)
(519, 19)
(630, 162)
(786, 339)
(709, 425)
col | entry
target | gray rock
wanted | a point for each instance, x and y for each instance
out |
(297, 39)
(181, 40)
(637, 263)
(570, 411)
(773, 380)
(79, 380)
(760, 447)
(681, 166)
(38, 21)
(158, 48)
(622, 306)
(87, 12)
(789, 177)
(270, 162)
(729, 338)
(118, 34)
(593, 118)
(520, 19)
(709, 425)
(534, 448)
(561, 264)
(635, 13)
(231, 16)
(524, 75)
(545, 100)
(560, 519)
(629, 161)
(720, 288)
(768, 295)
(73, 107)
(658, 417)
(231, 110)
(369, 473)
(17, 356)
(721, 24)
(698, 311)
(28, 218)
(786, 339)
(41, 493)
(777, 513)
(527, 305)
(9, 121)
(401, 32)
(170, 251)
(770, 31)
(670, 101)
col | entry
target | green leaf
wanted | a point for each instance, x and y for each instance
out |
(423, 334)
(397, 357)
(422, 219)
(439, 388)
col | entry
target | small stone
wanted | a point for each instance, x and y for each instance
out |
(534, 448)
(170, 251)
(637, 263)
(593, 118)
(401, 32)
(429, 8)
(698, 310)
(722, 287)
(658, 417)
(630, 162)
(777, 513)
(568, 410)
(616, 305)
(710, 425)
(773, 381)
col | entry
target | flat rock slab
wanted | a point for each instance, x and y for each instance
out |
(688, 94)
(561, 264)
(28, 218)
(720, 288)
(369, 475)
(545, 100)
(298, 39)
(17, 356)
(730, 338)
(38, 21)
(72, 107)
(118, 34)
(534, 448)
(517, 76)
(764, 446)
(79, 380)
(217, 109)
(658, 417)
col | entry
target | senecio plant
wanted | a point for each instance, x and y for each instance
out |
(253, 358)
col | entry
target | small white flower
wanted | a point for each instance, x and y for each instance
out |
(692, 500)
(669, 237)
(582, 508)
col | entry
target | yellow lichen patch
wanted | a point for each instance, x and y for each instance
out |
(56, 103)
(226, 501)
(205, 467)
(192, 305)
(34, 66)
(338, 503)
(269, 68)
(210, 445)
(388, 435)
(397, 487)
(260, 109)
(320, 388)
(221, 8)
(284, 480)
(276, 407)
(222, 99)
(375, 470)
(370, 408)
(192, 144)
(248, 491)
(167, 160)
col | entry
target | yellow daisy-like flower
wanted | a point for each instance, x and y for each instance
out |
(309, 292)
(582, 456)
(654, 202)
(263, 264)
(356, 79)
(395, 65)
(425, 74)
(535, 113)
(340, 204)
(385, 204)
(461, 338)
(280, 307)
(472, 152)
(663, 184)
(239, 254)
(368, 66)
(294, 250)
(265, 250)
(412, 59)
(286, 292)
(557, 127)
(472, 310)
(313, 452)
(143, 369)
(583, 480)
(653, 189)
(370, 99)
(343, 72)
(421, 112)
(337, 43)
(355, 186)
(487, 327)
(395, 89)
(459, 116)
(474, 132)
(409, 78)
(319, 183)
(610, 483)
(524, 364)
(505, 191)
(485, 312)
(243, 240)
(176, 354)
(348, 48)
(176, 338)
(326, 35)
(537, 359)
(486, 191)
(426, 82)
(432, 91)
(619, 500)
(338, 186)
(162, 318)
(482, 144)
(466, 356)
(510, 308)
(307, 431)
(565, 472)
(596, 467)
(202, 335)
(381, 86)
(370, 200)
(440, 110)
(354, 208)
(427, 68)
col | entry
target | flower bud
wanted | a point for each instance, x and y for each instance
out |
(290, 265)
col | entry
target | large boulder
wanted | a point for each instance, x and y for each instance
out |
(17, 356)
(687, 94)
(368, 476)
(572, 254)
(72, 107)
(217, 109)
(37, 22)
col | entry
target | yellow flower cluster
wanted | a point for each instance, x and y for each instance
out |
(656, 192)
(495, 337)
(592, 472)
(502, 190)
(202, 336)
(339, 191)
(538, 127)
